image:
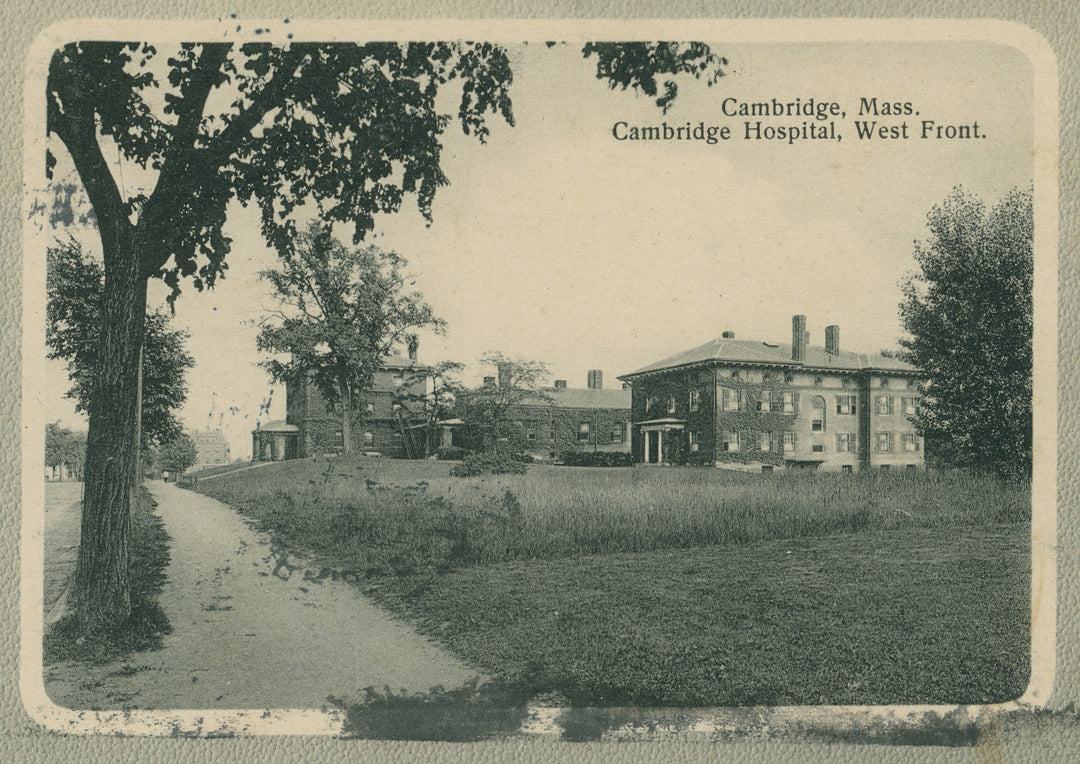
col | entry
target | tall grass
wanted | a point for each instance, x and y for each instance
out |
(380, 517)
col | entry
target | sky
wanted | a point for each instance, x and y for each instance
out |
(555, 242)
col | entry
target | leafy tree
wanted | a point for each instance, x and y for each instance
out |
(73, 316)
(348, 128)
(64, 451)
(441, 389)
(343, 311)
(178, 455)
(968, 313)
(517, 382)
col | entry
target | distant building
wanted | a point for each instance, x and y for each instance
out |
(753, 405)
(573, 419)
(211, 448)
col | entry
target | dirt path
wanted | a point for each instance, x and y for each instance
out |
(252, 628)
(63, 510)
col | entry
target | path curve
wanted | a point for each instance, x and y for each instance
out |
(254, 628)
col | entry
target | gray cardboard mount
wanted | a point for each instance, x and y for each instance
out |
(1047, 736)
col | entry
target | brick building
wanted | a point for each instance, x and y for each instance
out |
(211, 448)
(753, 405)
(311, 427)
(571, 419)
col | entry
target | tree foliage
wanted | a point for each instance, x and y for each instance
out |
(64, 451)
(640, 66)
(73, 316)
(968, 314)
(178, 455)
(343, 310)
(517, 381)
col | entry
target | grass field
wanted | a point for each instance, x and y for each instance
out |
(680, 586)
(147, 623)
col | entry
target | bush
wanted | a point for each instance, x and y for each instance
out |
(596, 459)
(450, 453)
(495, 462)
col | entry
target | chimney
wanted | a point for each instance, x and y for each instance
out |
(489, 381)
(832, 339)
(414, 345)
(728, 335)
(596, 379)
(799, 338)
(560, 384)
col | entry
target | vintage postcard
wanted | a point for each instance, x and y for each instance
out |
(467, 381)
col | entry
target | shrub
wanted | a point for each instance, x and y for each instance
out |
(451, 453)
(596, 459)
(494, 462)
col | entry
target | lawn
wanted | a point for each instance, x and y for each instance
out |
(680, 586)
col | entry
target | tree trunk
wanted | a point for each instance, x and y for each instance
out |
(346, 417)
(102, 590)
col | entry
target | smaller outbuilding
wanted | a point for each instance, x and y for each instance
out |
(274, 441)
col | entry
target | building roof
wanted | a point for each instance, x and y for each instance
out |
(587, 398)
(277, 425)
(729, 351)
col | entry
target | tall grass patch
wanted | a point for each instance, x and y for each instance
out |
(386, 516)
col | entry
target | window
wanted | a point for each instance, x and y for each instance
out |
(789, 403)
(551, 433)
(694, 445)
(845, 442)
(912, 467)
(845, 468)
(765, 441)
(763, 401)
(399, 377)
(369, 438)
(671, 404)
(730, 442)
(650, 403)
(789, 442)
(818, 448)
(531, 434)
(884, 441)
(847, 404)
(883, 404)
(766, 469)
(910, 441)
(729, 399)
(617, 432)
(339, 437)
(884, 467)
(695, 400)
(817, 420)
(909, 405)
(583, 431)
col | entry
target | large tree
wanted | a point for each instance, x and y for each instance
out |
(343, 311)
(347, 128)
(517, 381)
(968, 314)
(74, 283)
